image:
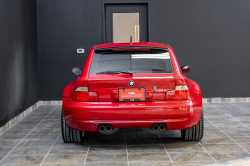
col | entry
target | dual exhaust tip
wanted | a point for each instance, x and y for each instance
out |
(159, 127)
(105, 128)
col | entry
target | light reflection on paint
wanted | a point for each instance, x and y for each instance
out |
(151, 77)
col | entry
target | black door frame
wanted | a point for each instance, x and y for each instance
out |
(120, 3)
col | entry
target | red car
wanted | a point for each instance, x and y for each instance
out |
(132, 85)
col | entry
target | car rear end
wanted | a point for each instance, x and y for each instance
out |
(131, 86)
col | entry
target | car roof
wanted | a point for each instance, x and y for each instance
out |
(137, 44)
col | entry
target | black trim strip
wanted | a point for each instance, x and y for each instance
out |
(151, 49)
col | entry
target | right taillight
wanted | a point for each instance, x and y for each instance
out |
(82, 94)
(181, 92)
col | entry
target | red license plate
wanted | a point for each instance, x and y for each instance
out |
(131, 94)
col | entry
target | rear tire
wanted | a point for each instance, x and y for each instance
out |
(70, 135)
(194, 133)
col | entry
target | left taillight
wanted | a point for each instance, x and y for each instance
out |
(181, 92)
(83, 94)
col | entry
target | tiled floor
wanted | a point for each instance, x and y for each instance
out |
(36, 140)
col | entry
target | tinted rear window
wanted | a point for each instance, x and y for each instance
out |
(135, 63)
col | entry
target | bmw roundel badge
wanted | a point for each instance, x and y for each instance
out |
(131, 83)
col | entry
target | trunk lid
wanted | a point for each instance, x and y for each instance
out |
(106, 85)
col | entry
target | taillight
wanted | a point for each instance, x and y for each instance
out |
(181, 92)
(83, 94)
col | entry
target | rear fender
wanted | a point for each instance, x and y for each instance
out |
(193, 86)
(69, 89)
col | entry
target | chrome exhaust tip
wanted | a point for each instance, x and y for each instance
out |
(102, 128)
(162, 127)
(109, 128)
(155, 127)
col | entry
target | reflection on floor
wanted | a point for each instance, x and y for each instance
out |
(36, 140)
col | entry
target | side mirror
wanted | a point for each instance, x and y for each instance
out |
(77, 71)
(185, 69)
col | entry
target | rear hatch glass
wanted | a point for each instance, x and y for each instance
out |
(135, 63)
(110, 71)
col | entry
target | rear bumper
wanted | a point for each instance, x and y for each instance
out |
(86, 116)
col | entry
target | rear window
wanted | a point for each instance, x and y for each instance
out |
(132, 62)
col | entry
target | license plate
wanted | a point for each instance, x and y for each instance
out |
(131, 94)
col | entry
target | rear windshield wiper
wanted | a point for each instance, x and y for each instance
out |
(115, 72)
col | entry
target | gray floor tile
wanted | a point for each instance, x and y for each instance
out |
(236, 112)
(239, 133)
(222, 148)
(65, 159)
(243, 115)
(107, 158)
(247, 123)
(241, 139)
(41, 137)
(1, 157)
(146, 148)
(55, 113)
(26, 150)
(41, 113)
(25, 160)
(26, 165)
(24, 126)
(246, 146)
(229, 156)
(134, 141)
(214, 132)
(21, 122)
(18, 131)
(206, 105)
(60, 142)
(8, 137)
(222, 118)
(9, 143)
(147, 157)
(45, 108)
(38, 140)
(5, 151)
(107, 149)
(33, 118)
(216, 137)
(151, 164)
(245, 106)
(184, 147)
(189, 156)
(231, 126)
(47, 164)
(45, 129)
(217, 140)
(51, 122)
(106, 164)
(197, 163)
(69, 150)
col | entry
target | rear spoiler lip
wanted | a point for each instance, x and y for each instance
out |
(151, 49)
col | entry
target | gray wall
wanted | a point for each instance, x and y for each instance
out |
(18, 57)
(211, 36)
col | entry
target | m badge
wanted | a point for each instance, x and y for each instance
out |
(131, 83)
